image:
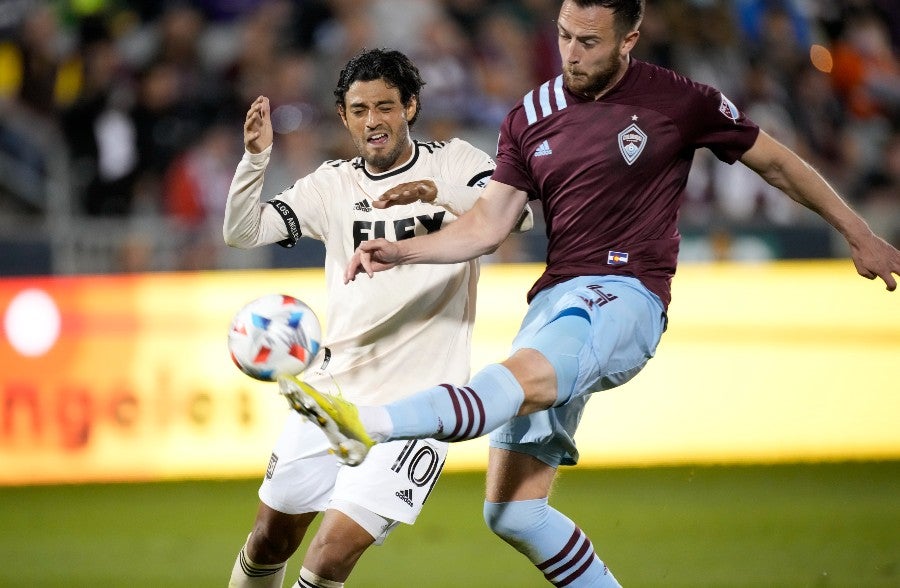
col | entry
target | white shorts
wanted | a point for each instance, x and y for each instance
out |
(388, 488)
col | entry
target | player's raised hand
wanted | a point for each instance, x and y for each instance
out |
(370, 257)
(876, 258)
(407, 193)
(258, 126)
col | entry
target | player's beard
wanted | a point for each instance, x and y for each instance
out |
(383, 160)
(594, 83)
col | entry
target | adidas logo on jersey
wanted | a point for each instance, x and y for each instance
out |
(405, 496)
(363, 205)
(543, 149)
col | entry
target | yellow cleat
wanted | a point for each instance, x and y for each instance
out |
(338, 419)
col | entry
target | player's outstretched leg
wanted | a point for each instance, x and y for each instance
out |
(458, 413)
(445, 412)
(337, 418)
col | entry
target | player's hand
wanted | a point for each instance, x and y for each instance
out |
(258, 126)
(370, 257)
(876, 258)
(407, 193)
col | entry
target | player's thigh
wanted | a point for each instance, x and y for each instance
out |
(391, 485)
(626, 323)
(513, 476)
(301, 474)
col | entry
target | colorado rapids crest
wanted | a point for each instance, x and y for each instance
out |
(631, 143)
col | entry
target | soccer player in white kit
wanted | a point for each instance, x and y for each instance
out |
(384, 337)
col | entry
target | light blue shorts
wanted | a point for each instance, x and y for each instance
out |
(627, 321)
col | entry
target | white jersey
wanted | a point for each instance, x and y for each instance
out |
(407, 328)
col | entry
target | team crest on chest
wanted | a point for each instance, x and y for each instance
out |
(631, 142)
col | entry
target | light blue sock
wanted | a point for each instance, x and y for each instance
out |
(453, 413)
(553, 543)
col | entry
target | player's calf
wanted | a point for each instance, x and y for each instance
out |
(248, 574)
(553, 543)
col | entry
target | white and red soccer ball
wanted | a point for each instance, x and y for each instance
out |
(274, 335)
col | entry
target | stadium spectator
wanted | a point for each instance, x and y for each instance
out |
(880, 198)
(866, 72)
(707, 47)
(192, 196)
(38, 77)
(100, 133)
(606, 148)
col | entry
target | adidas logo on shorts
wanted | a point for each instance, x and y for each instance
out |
(405, 496)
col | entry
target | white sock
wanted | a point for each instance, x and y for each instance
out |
(247, 574)
(377, 422)
(310, 580)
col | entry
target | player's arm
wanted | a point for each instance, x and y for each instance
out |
(249, 222)
(456, 199)
(464, 172)
(784, 169)
(477, 232)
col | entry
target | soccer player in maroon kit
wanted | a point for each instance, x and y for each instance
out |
(606, 147)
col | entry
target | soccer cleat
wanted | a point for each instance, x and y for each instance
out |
(337, 418)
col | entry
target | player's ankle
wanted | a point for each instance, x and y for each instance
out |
(311, 579)
(377, 422)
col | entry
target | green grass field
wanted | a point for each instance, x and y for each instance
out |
(792, 526)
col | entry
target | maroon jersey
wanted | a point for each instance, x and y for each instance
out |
(610, 174)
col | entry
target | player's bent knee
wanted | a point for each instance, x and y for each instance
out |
(341, 540)
(333, 558)
(269, 546)
(515, 522)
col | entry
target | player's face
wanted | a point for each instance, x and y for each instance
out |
(377, 122)
(594, 57)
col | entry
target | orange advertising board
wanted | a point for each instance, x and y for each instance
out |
(110, 378)
(128, 377)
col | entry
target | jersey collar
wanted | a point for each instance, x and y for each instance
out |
(397, 170)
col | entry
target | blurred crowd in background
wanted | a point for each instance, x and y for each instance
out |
(121, 122)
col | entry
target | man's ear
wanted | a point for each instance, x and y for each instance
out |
(628, 42)
(343, 115)
(412, 108)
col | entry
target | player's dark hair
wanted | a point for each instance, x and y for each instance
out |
(628, 13)
(395, 68)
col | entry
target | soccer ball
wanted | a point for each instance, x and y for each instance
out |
(274, 335)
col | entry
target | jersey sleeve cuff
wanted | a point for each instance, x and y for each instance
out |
(260, 159)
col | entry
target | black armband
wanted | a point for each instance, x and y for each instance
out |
(290, 222)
